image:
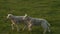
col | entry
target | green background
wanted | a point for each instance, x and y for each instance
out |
(46, 9)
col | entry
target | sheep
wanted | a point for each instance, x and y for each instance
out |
(15, 20)
(36, 21)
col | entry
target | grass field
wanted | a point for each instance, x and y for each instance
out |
(47, 9)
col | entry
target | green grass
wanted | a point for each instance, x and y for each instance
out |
(47, 9)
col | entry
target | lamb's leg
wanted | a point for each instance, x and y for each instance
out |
(49, 29)
(44, 31)
(13, 23)
(17, 27)
(44, 26)
(29, 27)
(12, 26)
(24, 27)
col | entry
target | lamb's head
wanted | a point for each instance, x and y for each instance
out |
(24, 16)
(9, 15)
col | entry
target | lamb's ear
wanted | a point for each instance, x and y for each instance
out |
(25, 15)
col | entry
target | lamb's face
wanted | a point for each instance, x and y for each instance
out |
(25, 17)
(9, 16)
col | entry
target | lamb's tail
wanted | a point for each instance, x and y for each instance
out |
(48, 24)
(48, 27)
